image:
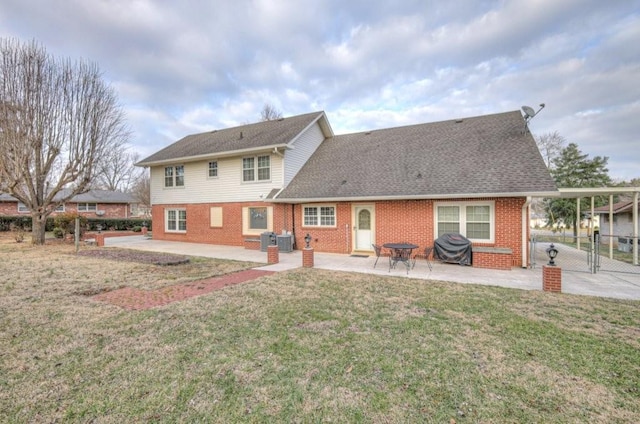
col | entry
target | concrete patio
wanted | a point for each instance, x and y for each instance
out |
(613, 285)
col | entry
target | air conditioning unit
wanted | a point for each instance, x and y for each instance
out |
(285, 243)
(99, 213)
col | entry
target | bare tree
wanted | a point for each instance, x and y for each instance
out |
(57, 117)
(116, 170)
(270, 113)
(550, 146)
(141, 189)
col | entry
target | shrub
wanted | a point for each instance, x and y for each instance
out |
(58, 232)
(67, 223)
(136, 229)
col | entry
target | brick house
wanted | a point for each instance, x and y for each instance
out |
(93, 204)
(474, 176)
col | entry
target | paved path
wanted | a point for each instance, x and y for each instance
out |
(136, 299)
(613, 285)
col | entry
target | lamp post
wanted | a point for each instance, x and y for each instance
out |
(552, 252)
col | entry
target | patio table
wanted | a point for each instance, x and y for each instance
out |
(400, 252)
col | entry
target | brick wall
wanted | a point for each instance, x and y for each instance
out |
(111, 210)
(401, 221)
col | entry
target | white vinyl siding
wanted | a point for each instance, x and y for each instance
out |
(227, 187)
(474, 220)
(303, 147)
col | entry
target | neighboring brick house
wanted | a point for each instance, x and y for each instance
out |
(93, 204)
(473, 176)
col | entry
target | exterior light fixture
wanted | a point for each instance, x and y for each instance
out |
(307, 240)
(272, 238)
(552, 252)
(99, 228)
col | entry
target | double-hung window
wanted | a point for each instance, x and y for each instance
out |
(474, 220)
(256, 168)
(174, 176)
(319, 216)
(87, 207)
(176, 220)
(213, 169)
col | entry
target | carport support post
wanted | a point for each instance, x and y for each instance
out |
(634, 215)
(552, 278)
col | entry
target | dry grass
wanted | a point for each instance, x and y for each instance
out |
(304, 346)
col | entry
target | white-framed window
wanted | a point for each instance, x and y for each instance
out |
(87, 207)
(22, 208)
(174, 176)
(175, 220)
(256, 168)
(474, 220)
(319, 216)
(213, 169)
(257, 219)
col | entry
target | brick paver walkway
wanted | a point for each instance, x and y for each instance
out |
(136, 299)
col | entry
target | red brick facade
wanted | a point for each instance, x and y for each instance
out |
(551, 278)
(111, 210)
(403, 220)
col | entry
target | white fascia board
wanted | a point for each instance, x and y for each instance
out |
(215, 155)
(415, 197)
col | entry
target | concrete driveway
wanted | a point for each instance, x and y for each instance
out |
(613, 285)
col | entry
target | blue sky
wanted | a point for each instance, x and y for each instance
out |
(191, 66)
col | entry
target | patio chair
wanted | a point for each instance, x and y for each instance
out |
(378, 250)
(428, 252)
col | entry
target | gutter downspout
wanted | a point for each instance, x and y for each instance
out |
(525, 228)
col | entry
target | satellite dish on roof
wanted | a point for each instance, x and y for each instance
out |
(528, 111)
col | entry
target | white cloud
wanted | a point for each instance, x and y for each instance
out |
(186, 67)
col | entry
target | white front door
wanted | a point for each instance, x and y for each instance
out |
(363, 227)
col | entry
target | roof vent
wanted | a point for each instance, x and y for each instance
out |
(241, 135)
(280, 119)
(459, 121)
(344, 182)
(367, 133)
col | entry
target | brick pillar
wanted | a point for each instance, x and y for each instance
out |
(552, 278)
(307, 257)
(100, 240)
(273, 255)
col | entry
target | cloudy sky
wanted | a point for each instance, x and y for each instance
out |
(191, 66)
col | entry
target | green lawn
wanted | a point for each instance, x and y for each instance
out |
(305, 346)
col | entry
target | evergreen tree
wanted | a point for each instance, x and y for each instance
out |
(574, 169)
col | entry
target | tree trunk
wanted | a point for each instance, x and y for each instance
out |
(38, 228)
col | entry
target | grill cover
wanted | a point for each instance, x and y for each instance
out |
(452, 248)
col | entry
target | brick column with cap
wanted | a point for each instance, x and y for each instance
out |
(307, 257)
(552, 278)
(273, 255)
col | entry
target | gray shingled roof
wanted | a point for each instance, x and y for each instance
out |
(484, 155)
(246, 137)
(92, 196)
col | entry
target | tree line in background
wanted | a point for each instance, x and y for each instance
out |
(571, 168)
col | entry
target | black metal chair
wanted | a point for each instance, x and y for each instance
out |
(428, 253)
(378, 250)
